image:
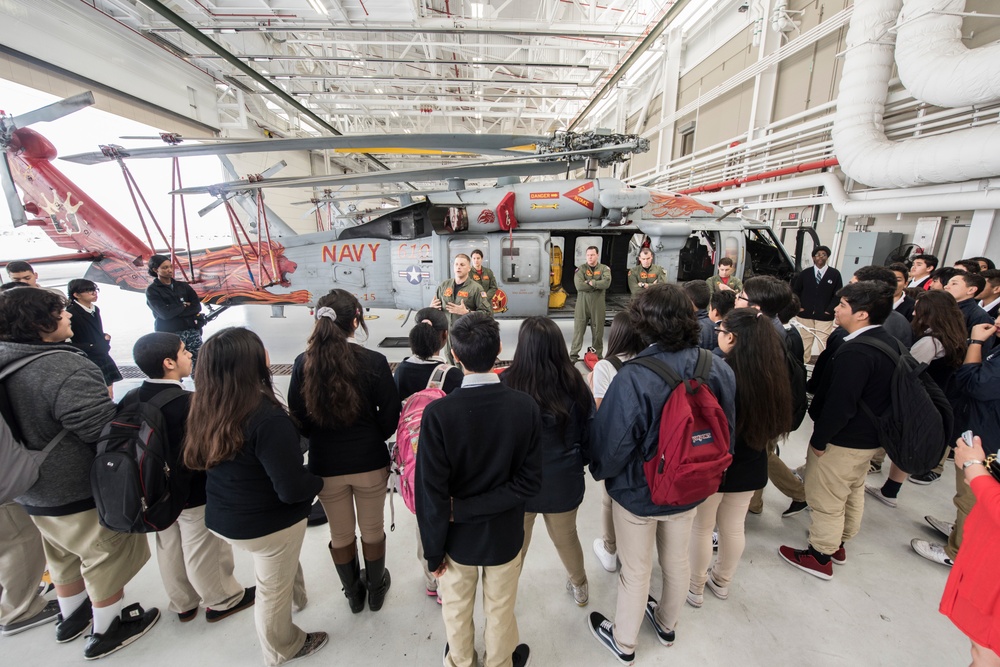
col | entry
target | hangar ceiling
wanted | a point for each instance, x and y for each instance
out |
(401, 66)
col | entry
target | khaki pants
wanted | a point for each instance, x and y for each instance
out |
(823, 330)
(430, 581)
(782, 477)
(22, 562)
(195, 565)
(964, 501)
(365, 491)
(607, 520)
(562, 532)
(78, 547)
(636, 536)
(279, 584)
(835, 490)
(729, 511)
(458, 595)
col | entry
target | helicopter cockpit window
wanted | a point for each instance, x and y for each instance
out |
(522, 261)
(697, 257)
(765, 255)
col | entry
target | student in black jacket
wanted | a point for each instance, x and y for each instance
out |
(965, 287)
(344, 397)
(844, 438)
(88, 330)
(541, 368)
(701, 296)
(902, 302)
(196, 566)
(816, 288)
(478, 462)
(258, 491)
(427, 338)
(175, 305)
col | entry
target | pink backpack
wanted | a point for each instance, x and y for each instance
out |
(404, 452)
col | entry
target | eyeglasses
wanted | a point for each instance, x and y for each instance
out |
(742, 296)
(95, 290)
(718, 329)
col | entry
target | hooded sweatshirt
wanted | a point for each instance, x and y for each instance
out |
(64, 390)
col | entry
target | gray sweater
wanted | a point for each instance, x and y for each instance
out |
(55, 392)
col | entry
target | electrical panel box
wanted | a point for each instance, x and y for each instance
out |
(865, 248)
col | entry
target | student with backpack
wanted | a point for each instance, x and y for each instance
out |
(425, 373)
(756, 354)
(196, 566)
(844, 437)
(541, 368)
(64, 394)
(626, 439)
(258, 492)
(478, 462)
(623, 344)
(345, 400)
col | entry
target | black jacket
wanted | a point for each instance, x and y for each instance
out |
(167, 304)
(974, 313)
(265, 488)
(856, 373)
(88, 332)
(360, 447)
(748, 471)
(905, 308)
(818, 300)
(412, 375)
(478, 461)
(979, 384)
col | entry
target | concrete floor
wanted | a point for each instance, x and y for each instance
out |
(879, 609)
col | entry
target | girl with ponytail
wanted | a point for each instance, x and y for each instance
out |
(754, 350)
(346, 401)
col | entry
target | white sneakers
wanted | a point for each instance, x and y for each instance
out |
(932, 552)
(609, 561)
(876, 493)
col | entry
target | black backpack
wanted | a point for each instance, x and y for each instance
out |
(914, 431)
(137, 485)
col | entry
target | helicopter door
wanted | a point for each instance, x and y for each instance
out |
(523, 261)
(412, 273)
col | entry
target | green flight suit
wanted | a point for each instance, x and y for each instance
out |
(654, 275)
(734, 283)
(471, 294)
(591, 284)
(486, 280)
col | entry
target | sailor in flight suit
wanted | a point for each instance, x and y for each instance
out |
(592, 280)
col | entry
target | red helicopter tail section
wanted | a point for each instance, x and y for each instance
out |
(71, 218)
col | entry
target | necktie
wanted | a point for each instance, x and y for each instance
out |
(818, 278)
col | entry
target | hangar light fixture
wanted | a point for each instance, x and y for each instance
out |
(319, 6)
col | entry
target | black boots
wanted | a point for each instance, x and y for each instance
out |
(345, 559)
(377, 579)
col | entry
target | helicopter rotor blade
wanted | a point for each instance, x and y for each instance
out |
(55, 111)
(384, 143)
(10, 192)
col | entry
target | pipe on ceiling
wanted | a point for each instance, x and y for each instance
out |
(218, 49)
(969, 196)
(646, 43)
(859, 138)
(934, 64)
(774, 173)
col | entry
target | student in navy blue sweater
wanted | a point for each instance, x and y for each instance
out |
(479, 460)
(258, 491)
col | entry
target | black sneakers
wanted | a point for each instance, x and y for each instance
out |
(666, 637)
(133, 623)
(602, 629)
(793, 509)
(249, 597)
(49, 613)
(70, 628)
(521, 656)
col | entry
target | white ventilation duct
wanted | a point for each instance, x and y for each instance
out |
(975, 195)
(934, 64)
(864, 152)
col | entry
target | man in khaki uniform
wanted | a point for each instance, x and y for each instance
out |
(646, 273)
(460, 296)
(592, 280)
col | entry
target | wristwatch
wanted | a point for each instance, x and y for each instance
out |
(972, 463)
(973, 341)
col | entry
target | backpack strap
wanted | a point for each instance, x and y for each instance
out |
(668, 374)
(615, 361)
(166, 396)
(703, 368)
(15, 366)
(436, 380)
(879, 345)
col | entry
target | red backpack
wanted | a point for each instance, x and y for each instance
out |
(692, 452)
(404, 452)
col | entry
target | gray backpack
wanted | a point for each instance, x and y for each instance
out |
(19, 466)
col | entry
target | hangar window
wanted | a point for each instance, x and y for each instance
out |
(686, 133)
